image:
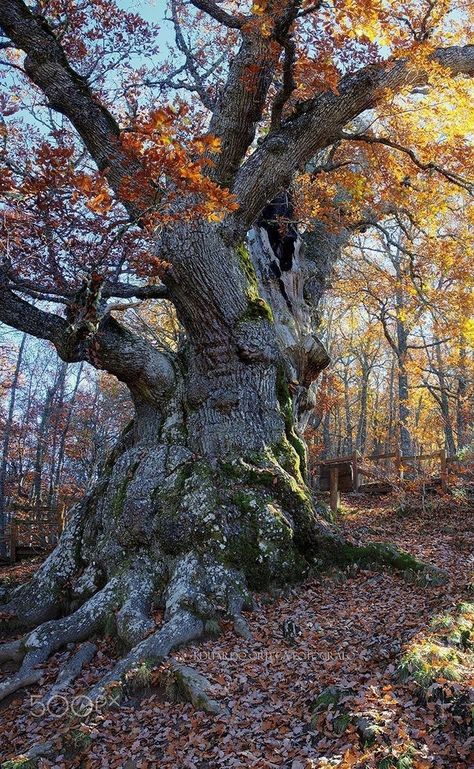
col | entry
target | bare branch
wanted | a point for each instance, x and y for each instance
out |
(128, 291)
(110, 289)
(199, 86)
(147, 372)
(311, 9)
(425, 345)
(288, 86)
(430, 166)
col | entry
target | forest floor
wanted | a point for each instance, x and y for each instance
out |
(356, 626)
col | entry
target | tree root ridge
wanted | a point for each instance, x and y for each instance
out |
(197, 592)
(47, 638)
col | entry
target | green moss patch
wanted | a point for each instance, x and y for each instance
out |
(331, 703)
(257, 308)
(286, 407)
(446, 653)
(381, 554)
(404, 761)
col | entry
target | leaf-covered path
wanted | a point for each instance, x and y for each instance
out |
(353, 630)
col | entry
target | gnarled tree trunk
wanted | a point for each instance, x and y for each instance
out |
(205, 494)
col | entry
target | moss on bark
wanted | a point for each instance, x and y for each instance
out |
(257, 308)
(286, 407)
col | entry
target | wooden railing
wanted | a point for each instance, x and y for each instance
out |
(29, 537)
(343, 473)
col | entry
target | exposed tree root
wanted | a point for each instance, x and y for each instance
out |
(179, 630)
(71, 670)
(196, 590)
(24, 677)
(12, 651)
(385, 554)
(50, 636)
(39, 599)
(199, 590)
(184, 683)
(134, 621)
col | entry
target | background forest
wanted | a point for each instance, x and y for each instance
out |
(401, 355)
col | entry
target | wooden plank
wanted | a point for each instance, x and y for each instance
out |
(379, 487)
(368, 473)
(415, 457)
(333, 489)
(345, 478)
(379, 456)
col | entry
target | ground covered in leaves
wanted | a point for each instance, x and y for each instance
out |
(379, 675)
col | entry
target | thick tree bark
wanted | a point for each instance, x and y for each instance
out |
(205, 495)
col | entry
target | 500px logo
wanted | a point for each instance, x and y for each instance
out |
(58, 705)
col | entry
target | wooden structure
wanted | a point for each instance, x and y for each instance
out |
(345, 473)
(27, 539)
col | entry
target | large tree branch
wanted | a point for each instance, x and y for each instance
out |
(240, 105)
(288, 85)
(69, 93)
(108, 289)
(242, 101)
(148, 373)
(317, 123)
(219, 14)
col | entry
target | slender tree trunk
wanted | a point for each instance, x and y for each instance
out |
(461, 397)
(376, 422)
(404, 410)
(402, 356)
(363, 400)
(347, 413)
(389, 445)
(56, 480)
(41, 443)
(6, 443)
(57, 431)
(444, 403)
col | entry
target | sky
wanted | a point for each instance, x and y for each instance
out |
(151, 10)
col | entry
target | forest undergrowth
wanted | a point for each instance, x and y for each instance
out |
(356, 668)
